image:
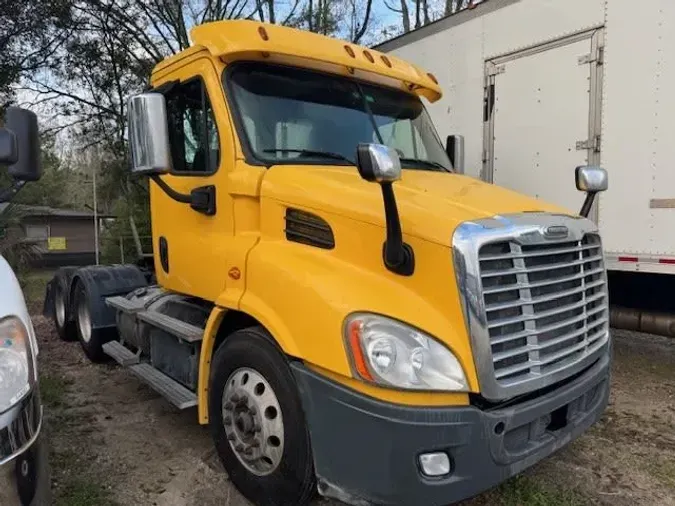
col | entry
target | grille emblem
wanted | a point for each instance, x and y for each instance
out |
(556, 232)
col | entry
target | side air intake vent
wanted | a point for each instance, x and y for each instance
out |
(308, 228)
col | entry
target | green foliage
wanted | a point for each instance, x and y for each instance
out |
(53, 390)
(18, 252)
(117, 241)
(526, 491)
(84, 493)
(29, 32)
(62, 185)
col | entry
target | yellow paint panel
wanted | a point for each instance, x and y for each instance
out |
(210, 332)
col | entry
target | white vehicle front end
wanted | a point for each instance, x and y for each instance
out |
(24, 472)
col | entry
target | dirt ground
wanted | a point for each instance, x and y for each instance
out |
(116, 442)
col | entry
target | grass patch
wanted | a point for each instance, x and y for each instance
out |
(53, 390)
(34, 284)
(664, 471)
(77, 492)
(527, 491)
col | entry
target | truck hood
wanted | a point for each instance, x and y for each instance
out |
(431, 204)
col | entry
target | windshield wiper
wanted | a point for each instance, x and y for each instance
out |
(311, 152)
(429, 163)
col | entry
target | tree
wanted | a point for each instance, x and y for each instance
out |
(425, 13)
(30, 33)
(97, 53)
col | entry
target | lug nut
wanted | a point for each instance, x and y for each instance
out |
(248, 451)
(239, 448)
(255, 443)
(252, 410)
(244, 399)
(229, 406)
(234, 398)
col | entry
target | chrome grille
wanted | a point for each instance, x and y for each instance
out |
(545, 304)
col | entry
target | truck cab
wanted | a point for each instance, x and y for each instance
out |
(24, 470)
(349, 313)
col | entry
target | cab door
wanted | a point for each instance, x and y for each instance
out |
(190, 242)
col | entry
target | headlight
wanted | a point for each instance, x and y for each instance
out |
(16, 362)
(390, 353)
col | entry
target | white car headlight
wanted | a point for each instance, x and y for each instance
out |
(391, 353)
(16, 362)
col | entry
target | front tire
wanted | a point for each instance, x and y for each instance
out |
(257, 422)
(92, 340)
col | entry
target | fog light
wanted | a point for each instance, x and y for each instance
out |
(435, 464)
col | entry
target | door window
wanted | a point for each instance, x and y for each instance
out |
(193, 133)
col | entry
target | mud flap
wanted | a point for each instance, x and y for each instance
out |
(105, 281)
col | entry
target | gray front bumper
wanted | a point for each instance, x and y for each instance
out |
(366, 451)
(24, 469)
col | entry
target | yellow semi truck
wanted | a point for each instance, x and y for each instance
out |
(348, 313)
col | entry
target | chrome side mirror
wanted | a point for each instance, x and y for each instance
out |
(378, 163)
(454, 147)
(381, 164)
(592, 180)
(148, 134)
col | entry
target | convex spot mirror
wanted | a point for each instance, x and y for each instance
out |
(25, 162)
(378, 163)
(591, 179)
(149, 134)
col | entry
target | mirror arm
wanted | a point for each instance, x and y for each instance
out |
(177, 196)
(398, 256)
(8, 193)
(588, 203)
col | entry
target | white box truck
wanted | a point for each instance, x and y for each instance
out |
(538, 87)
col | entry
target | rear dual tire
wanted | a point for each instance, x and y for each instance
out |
(91, 340)
(63, 320)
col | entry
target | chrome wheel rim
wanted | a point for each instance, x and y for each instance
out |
(59, 306)
(83, 318)
(253, 422)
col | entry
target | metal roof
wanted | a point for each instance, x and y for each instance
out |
(26, 210)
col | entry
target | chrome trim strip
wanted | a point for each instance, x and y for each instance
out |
(522, 229)
(19, 427)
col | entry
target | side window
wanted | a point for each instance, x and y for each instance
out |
(192, 129)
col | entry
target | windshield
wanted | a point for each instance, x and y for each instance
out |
(292, 115)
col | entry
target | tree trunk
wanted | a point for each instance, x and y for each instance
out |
(417, 13)
(405, 15)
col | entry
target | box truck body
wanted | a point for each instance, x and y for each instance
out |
(538, 87)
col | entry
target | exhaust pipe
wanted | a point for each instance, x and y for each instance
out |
(650, 322)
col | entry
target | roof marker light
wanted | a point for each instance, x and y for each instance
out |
(263, 33)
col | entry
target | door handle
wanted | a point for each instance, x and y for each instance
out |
(203, 199)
